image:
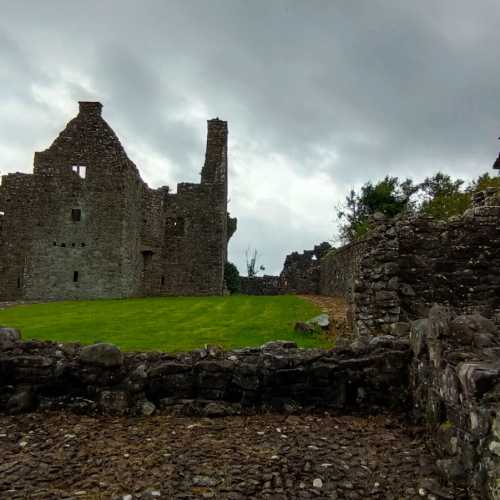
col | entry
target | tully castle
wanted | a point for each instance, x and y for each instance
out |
(85, 225)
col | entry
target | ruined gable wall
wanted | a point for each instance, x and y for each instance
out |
(96, 245)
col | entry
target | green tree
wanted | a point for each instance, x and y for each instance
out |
(232, 277)
(484, 181)
(443, 196)
(388, 196)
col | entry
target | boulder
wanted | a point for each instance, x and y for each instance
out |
(106, 355)
(322, 321)
(145, 408)
(9, 337)
(476, 330)
(22, 401)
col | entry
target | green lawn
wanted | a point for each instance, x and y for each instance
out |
(167, 323)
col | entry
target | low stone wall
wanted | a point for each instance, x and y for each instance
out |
(261, 285)
(208, 381)
(455, 382)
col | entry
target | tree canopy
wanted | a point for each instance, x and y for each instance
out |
(440, 196)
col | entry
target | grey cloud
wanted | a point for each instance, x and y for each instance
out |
(386, 87)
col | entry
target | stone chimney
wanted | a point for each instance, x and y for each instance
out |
(215, 167)
(90, 108)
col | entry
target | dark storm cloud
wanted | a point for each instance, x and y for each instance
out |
(320, 95)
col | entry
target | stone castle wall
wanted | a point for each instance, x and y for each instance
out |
(301, 271)
(404, 266)
(85, 225)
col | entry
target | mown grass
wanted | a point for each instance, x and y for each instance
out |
(167, 323)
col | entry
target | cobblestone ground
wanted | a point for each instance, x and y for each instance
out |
(61, 455)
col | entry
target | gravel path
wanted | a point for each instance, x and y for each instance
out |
(62, 455)
(337, 310)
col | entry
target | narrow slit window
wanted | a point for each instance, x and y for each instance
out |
(75, 276)
(162, 280)
(179, 226)
(76, 214)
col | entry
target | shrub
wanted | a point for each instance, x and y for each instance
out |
(232, 277)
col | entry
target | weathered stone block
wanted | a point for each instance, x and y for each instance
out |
(105, 355)
(9, 337)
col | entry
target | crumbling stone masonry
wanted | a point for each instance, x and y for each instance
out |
(85, 225)
(405, 265)
(300, 274)
(301, 271)
(277, 376)
(455, 383)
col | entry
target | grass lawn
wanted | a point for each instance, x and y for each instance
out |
(167, 323)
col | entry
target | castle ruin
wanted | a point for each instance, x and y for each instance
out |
(85, 225)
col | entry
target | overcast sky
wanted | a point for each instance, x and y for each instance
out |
(320, 95)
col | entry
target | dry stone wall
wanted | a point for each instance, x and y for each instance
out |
(277, 375)
(455, 383)
(339, 269)
(85, 225)
(301, 271)
(404, 265)
(262, 285)
(300, 275)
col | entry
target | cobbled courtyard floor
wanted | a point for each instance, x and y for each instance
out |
(62, 455)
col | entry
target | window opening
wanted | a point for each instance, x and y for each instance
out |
(147, 256)
(80, 170)
(19, 282)
(83, 244)
(76, 214)
(55, 243)
(162, 280)
(75, 276)
(63, 244)
(73, 245)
